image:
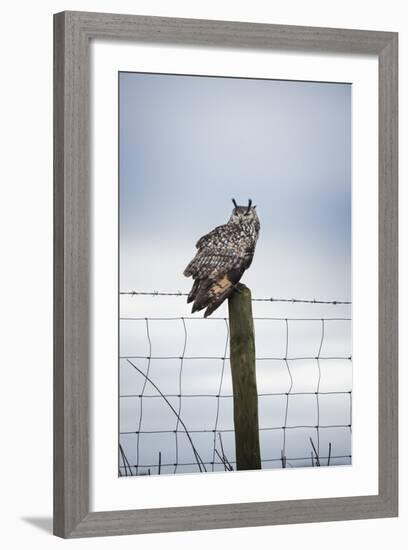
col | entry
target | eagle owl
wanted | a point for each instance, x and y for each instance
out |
(222, 257)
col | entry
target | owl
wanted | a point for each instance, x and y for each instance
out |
(222, 257)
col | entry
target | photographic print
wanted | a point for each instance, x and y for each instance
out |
(235, 292)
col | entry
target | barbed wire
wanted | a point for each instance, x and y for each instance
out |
(269, 299)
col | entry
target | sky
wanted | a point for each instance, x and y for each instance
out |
(188, 145)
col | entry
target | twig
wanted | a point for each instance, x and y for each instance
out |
(200, 462)
(316, 453)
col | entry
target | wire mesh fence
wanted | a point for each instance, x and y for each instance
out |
(176, 401)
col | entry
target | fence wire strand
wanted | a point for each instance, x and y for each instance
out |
(318, 391)
(269, 299)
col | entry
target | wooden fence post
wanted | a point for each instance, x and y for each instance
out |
(243, 371)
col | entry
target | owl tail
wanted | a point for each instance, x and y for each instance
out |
(194, 291)
(211, 294)
(216, 303)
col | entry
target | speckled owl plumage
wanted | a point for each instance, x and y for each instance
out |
(221, 259)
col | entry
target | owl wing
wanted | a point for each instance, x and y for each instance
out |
(217, 253)
(218, 265)
(214, 237)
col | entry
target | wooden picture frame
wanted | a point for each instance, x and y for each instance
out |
(72, 34)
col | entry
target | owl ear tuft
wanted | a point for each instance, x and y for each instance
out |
(234, 203)
(249, 205)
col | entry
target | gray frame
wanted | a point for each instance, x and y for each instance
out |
(72, 33)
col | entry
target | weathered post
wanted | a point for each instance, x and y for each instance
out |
(242, 354)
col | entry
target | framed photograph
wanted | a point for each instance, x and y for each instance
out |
(225, 289)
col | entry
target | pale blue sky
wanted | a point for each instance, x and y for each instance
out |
(188, 144)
